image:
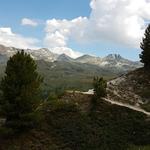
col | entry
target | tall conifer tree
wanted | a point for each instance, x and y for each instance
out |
(20, 87)
(145, 46)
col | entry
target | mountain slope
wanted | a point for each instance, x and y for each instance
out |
(66, 75)
(132, 88)
(112, 61)
(64, 57)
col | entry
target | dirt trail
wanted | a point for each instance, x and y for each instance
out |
(128, 106)
(90, 92)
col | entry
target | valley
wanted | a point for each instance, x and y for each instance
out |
(61, 72)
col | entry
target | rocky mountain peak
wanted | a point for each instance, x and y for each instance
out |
(64, 57)
(114, 56)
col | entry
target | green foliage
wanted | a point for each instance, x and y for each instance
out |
(6, 132)
(145, 46)
(67, 123)
(139, 148)
(99, 85)
(111, 128)
(62, 76)
(20, 88)
(66, 127)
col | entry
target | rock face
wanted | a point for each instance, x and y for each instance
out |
(132, 88)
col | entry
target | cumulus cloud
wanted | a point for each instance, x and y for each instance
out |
(58, 32)
(29, 22)
(8, 38)
(67, 51)
(119, 21)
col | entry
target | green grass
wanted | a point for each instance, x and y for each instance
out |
(139, 148)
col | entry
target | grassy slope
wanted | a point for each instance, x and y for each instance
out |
(66, 126)
(139, 148)
(70, 75)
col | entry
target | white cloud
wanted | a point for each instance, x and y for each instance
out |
(118, 21)
(67, 51)
(8, 38)
(58, 32)
(29, 22)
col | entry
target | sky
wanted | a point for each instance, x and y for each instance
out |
(75, 27)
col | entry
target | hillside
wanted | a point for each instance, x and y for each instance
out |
(132, 88)
(68, 124)
(64, 75)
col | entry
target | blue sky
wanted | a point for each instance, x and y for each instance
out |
(11, 13)
(88, 26)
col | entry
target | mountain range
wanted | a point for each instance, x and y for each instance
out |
(112, 61)
(62, 72)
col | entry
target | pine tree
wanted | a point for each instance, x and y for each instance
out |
(20, 87)
(145, 46)
(99, 85)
